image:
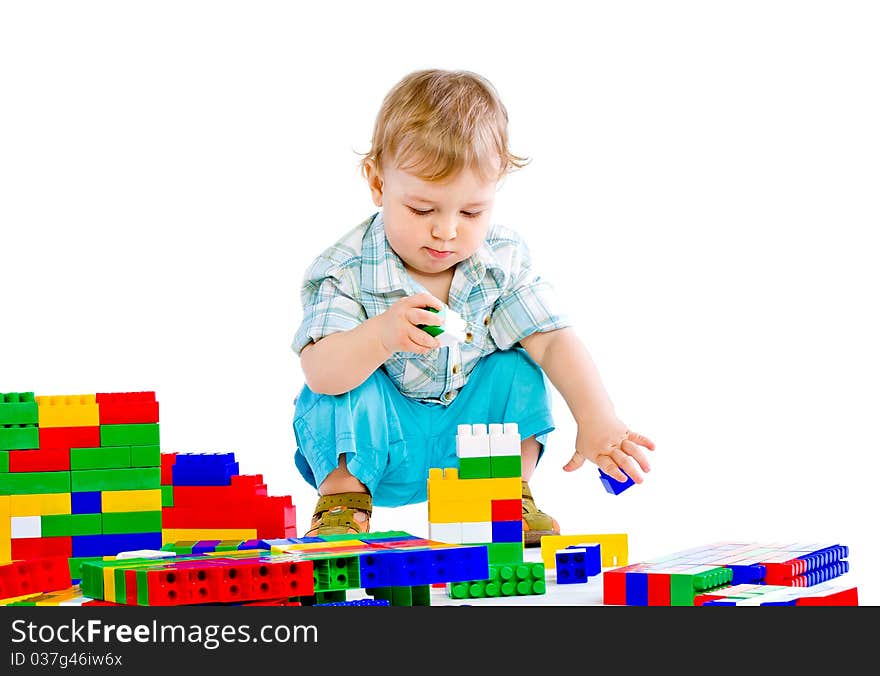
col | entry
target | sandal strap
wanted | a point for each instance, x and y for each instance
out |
(362, 502)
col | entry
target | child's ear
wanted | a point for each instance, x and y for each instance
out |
(374, 181)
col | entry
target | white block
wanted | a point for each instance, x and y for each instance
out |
(504, 439)
(476, 532)
(25, 527)
(445, 532)
(472, 441)
(145, 554)
(454, 328)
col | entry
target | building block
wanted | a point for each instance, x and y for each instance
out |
(613, 546)
(39, 503)
(453, 328)
(577, 563)
(13, 437)
(39, 460)
(120, 408)
(74, 410)
(614, 486)
(18, 408)
(85, 502)
(5, 530)
(130, 434)
(25, 527)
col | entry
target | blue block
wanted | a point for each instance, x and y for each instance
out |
(205, 546)
(593, 557)
(358, 602)
(407, 568)
(571, 567)
(251, 544)
(752, 574)
(614, 486)
(791, 602)
(507, 531)
(111, 545)
(203, 469)
(636, 589)
(88, 502)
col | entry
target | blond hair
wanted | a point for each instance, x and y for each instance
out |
(434, 123)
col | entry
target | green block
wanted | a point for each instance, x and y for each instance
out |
(421, 595)
(76, 569)
(683, 587)
(143, 588)
(90, 572)
(119, 594)
(19, 437)
(330, 596)
(167, 496)
(4, 461)
(141, 434)
(505, 466)
(30, 483)
(134, 478)
(52, 525)
(223, 545)
(18, 408)
(433, 330)
(181, 547)
(333, 572)
(104, 457)
(475, 468)
(505, 552)
(115, 523)
(146, 456)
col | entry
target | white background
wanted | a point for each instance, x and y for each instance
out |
(703, 193)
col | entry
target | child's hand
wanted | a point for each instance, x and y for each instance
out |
(399, 325)
(613, 448)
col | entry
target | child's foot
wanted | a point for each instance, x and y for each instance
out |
(341, 514)
(536, 524)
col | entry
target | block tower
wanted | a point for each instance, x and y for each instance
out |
(79, 475)
(480, 502)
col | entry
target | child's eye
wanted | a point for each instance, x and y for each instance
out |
(471, 214)
(419, 212)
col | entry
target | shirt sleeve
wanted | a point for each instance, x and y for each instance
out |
(330, 304)
(529, 304)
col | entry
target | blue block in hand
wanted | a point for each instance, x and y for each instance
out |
(614, 486)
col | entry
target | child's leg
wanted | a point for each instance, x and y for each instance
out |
(340, 480)
(531, 449)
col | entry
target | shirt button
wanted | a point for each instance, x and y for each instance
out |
(449, 396)
(468, 337)
(456, 368)
(486, 320)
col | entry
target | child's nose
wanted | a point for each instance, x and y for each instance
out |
(444, 228)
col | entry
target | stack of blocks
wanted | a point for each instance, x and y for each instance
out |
(679, 578)
(82, 478)
(79, 475)
(480, 502)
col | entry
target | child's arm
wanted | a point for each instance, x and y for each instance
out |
(341, 361)
(601, 437)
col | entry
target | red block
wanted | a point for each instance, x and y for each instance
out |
(131, 591)
(70, 437)
(506, 510)
(659, 589)
(845, 597)
(34, 575)
(40, 460)
(35, 548)
(167, 461)
(614, 587)
(125, 408)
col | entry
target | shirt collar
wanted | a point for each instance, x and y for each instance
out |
(384, 270)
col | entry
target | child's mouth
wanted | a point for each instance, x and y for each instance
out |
(433, 253)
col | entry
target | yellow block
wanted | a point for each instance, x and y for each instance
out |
(444, 484)
(170, 535)
(144, 500)
(455, 511)
(14, 599)
(67, 410)
(5, 530)
(39, 504)
(613, 547)
(308, 546)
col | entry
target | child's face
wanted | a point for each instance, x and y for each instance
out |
(432, 225)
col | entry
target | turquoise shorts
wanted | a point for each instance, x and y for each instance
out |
(391, 441)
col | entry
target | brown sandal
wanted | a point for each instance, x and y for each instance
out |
(341, 514)
(536, 524)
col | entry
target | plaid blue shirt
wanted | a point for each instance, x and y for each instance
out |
(496, 291)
